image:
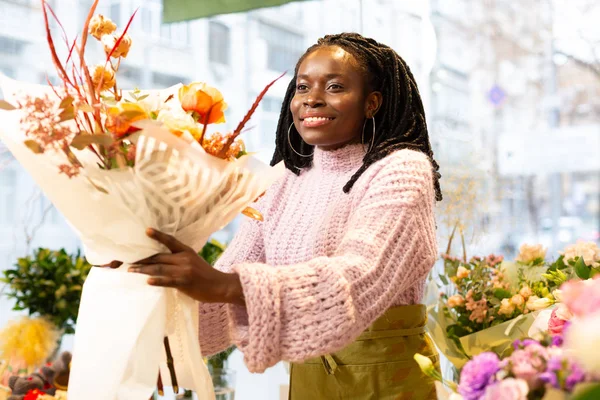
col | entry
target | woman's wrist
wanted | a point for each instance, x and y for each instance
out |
(234, 292)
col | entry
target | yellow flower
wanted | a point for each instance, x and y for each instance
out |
(106, 75)
(109, 42)
(529, 253)
(462, 272)
(206, 102)
(119, 118)
(424, 363)
(178, 122)
(100, 26)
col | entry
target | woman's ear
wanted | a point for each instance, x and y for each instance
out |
(373, 103)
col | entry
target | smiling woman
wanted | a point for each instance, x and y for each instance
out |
(332, 279)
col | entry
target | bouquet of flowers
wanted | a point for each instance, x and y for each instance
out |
(115, 163)
(560, 364)
(487, 303)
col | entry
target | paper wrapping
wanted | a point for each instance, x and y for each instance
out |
(174, 187)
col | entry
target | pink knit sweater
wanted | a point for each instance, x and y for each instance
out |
(325, 264)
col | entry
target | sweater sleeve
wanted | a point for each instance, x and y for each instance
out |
(247, 246)
(299, 311)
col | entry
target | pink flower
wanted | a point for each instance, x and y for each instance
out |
(582, 297)
(478, 309)
(507, 389)
(558, 319)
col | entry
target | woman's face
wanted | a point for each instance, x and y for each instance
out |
(332, 100)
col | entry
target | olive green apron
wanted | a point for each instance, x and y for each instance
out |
(379, 365)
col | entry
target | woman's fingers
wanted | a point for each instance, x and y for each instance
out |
(165, 270)
(160, 258)
(166, 281)
(172, 244)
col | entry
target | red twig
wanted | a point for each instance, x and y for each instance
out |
(55, 59)
(245, 120)
(118, 42)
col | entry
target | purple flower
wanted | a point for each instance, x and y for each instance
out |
(550, 379)
(576, 376)
(557, 340)
(477, 374)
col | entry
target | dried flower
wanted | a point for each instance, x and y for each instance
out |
(104, 74)
(204, 101)
(100, 26)
(530, 253)
(109, 42)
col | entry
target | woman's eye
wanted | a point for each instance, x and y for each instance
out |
(335, 86)
(301, 87)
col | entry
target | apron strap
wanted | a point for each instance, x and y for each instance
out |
(329, 364)
(388, 333)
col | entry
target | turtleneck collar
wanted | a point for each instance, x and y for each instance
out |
(344, 159)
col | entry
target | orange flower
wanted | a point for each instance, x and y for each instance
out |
(206, 102)
(120, 118)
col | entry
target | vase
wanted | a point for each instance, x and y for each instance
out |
(224, 383)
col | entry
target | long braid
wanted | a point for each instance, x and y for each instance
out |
(400, 121)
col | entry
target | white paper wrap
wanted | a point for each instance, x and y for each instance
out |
(174, 187)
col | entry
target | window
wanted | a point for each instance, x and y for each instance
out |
(11, 46)
(284, 48)
(271, 104)
(219, 43)
(146, 16)
(115, 13)
(161, 81)
(177, 32)
(8, 182)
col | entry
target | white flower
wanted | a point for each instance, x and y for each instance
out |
(582, 337)
(535, 303)
(529, 253)
(588, 250)
(178, 121)
(557, 294)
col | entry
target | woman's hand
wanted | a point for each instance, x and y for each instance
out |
(185, 270)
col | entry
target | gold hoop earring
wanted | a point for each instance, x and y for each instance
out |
(292, 147)
(372, 137)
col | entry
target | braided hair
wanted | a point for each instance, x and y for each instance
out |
(400, 121)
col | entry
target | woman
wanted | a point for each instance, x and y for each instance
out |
(332, 279)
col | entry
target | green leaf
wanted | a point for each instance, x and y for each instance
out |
(502, 293)
(444, 279)
(582, 270)
(34, 146)
(143, 97)
(5, 105)
(592, 393)
(80, 142)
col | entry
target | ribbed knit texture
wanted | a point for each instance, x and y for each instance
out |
(325, 264)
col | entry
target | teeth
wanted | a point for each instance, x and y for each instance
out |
(314, 119)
